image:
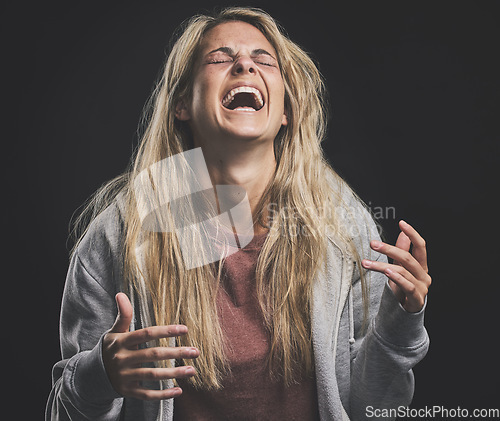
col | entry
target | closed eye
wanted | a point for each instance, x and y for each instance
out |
(228, 61)
(219, 61)
(265, 64)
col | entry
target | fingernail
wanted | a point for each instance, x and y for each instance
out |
(181, 329)
(189, 370)
(376, 244)
(366, 263)
(189, 352)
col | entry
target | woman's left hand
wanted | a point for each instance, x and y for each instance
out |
(408, 274)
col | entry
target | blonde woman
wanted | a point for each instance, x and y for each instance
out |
(304, 318)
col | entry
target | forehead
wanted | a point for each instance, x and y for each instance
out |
(237, 35)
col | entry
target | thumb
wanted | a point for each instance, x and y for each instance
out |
(124, 317)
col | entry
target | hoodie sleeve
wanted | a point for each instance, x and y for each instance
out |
(382, 359)
(81, 388)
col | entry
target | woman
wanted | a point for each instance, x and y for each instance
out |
(297, 320)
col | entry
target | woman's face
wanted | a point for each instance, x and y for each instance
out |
(238, 93)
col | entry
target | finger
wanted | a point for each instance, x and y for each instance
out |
(383, 267)
(398, 292)
(152, 333)
(403, 242)
(153, 395)
(156, 374)
(403, 257)
(125, 312)
(160, 353)
(419, 246)
(414, 298)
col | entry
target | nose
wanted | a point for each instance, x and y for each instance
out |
(242, 65)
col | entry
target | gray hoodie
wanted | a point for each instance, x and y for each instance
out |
(357, 370)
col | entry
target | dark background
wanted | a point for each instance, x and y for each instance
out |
(414, 90)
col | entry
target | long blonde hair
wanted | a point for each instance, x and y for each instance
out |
(294, 248)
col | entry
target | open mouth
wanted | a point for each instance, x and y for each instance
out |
(243, 98)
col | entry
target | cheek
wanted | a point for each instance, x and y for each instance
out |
(198, 93)
(279, 85)
(280, 97)
(204, 91)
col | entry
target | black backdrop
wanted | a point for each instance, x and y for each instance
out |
(414, 91)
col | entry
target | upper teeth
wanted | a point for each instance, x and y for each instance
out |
(256, 93)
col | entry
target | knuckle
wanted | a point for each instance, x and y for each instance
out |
(151, 374)
(118, 359)
(407, 258)
(182, 352)
(111, 342)
(168, 393)
(147, 334)
(171, 330)
(126, 388)
(143, 394)
(126, 391)
(399, 270)
(429, 280)
(155, 353)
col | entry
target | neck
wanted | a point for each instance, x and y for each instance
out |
(247, 165)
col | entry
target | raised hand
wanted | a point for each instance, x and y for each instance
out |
(408, 274)
(123, 359)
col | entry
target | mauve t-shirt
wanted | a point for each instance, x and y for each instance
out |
(248, 393)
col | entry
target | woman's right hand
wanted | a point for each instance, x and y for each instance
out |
(123, 359)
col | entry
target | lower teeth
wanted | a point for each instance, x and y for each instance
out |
(245, 108)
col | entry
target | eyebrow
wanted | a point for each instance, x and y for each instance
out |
(229, 51)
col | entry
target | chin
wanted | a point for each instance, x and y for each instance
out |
(243, 130)
(246, 135)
